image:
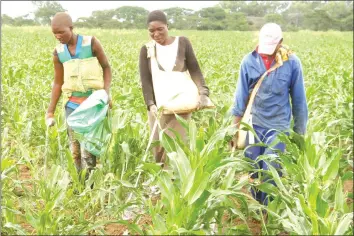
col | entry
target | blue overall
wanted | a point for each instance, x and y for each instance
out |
(272, 107)
(266, 136)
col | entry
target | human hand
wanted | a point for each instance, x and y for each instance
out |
(233, 142)
(203, 101)
(110, 102)
(49, 120)
(153, 109)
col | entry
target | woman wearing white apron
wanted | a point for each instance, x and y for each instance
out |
(168, 64)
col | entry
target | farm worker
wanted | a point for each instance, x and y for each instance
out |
(80, 67)
(271, 110)
(173, 54)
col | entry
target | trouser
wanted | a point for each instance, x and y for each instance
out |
(166, 122)
(82, 158)
(267, 137)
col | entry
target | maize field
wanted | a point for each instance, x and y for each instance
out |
(206, 191)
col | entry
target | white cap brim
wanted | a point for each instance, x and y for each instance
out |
(267, 49)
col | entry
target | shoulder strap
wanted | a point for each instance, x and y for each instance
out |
(150, 47)
(255, 89)
(60, 48)
(151, 53)
(86, 40)
(281, 56)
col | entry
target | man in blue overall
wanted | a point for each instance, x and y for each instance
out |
(271, 110)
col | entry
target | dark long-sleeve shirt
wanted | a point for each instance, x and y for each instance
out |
(186, 60)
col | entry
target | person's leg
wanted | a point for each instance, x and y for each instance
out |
(158, 150)
(88, 160)
(253, 153)
(73, 144)
(171, 122)
(270, 136)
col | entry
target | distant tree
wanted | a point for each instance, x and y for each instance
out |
(112, 24)
(318, 20)
(294, 15)
(6, 20)
(212, 18)
(227, 15)
(46, 10)
(254, 8)
(132, 17)
(87, 22)
(341, 14)
(99, 18)
(232, 6)
(24, 21)
(178, 17)
(194, 21)
(237, 21)
(213, 13)
(275, 18)
(255, 11)
(275, 7)
(255, 22)
(347, 23)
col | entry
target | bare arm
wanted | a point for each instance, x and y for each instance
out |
(237, 121)
(58, 82)
(102, 58)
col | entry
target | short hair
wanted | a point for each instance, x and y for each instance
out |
(62, 18)
(157, 15)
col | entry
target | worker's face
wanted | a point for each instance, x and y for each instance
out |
(158, 31)
(62, 33)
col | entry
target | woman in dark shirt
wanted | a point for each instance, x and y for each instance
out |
(184, 59)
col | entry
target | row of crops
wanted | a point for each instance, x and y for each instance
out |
(206, 188)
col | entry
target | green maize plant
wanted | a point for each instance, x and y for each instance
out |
(205, 188)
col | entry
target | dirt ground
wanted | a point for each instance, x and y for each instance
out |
(25, 174)
(119, 229)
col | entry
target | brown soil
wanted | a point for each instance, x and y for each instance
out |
(118, 229)
(24, 172)
(115, 229)
(28, 228)
(348, 188)
(254, 225)
(24, 175)
(145, 220)
(155, 198)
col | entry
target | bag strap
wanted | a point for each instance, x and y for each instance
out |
(256, 87)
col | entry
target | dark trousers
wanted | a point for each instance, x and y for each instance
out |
(266, 136)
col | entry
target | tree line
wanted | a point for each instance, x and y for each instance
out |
(227, 15)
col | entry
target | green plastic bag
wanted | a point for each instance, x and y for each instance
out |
(97, 139)
(91, 123)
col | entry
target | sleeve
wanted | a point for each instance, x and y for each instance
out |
(242, 91)
(146, 78)
(298, 99)
(194, 69)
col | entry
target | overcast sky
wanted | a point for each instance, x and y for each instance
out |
(20, 8)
